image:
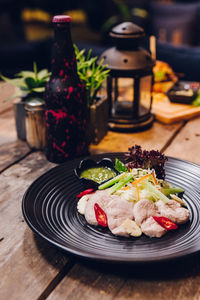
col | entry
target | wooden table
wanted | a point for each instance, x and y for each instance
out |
(33, 269)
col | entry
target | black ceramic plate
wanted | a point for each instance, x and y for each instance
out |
(49, 208)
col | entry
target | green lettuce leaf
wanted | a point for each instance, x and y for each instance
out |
(120, 166)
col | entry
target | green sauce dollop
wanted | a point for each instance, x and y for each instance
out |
(98, 174)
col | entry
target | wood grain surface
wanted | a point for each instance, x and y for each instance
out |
(33, 269)
(27, 264)
(177, 280)
(186, 145)
(6, 90)
(155, 138)
(7, 127)
(12, 152)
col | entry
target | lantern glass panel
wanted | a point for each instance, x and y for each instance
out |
(125, 89)
(145, 94)
(122, 96)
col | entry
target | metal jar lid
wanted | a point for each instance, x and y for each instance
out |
(35, 104)
(127, 30)
(127, 58)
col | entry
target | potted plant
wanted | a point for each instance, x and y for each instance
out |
(29, 85)
(32, 84)
(93, 76)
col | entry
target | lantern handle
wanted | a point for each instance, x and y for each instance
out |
(153, 46)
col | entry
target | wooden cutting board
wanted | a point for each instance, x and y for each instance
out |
(165, 111)
(168, 112)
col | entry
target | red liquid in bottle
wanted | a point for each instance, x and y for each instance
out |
(66, 100)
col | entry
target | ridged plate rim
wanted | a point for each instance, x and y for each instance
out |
(51, 227)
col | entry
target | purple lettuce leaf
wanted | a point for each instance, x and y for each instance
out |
(153, 159)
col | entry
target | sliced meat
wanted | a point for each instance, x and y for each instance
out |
(143, 210)
(173, 211)
(118, 210)
(99, 197)
(151, 228)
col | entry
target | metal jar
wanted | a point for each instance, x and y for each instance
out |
(35, 124)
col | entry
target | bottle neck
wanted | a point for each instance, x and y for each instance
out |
(63, 62)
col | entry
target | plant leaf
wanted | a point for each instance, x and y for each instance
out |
(25, 74)
(39, 89)
(91, 73)
(19, 82)
(196, 101)
(120, 166)
(89, 54)
(31, 83)
(124, 10)
(43, 73)
(35, 69)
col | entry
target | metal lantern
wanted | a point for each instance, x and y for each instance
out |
(129, 86)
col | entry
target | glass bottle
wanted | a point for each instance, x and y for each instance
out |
(66, 101)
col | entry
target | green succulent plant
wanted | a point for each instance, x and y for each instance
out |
(29, 82)
(92, 74)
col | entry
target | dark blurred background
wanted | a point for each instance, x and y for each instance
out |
(26, 31)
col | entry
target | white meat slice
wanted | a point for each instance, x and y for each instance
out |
(81, 205)
(173, 211)
(118, 210)
(143, 210)
(152, 229)
(99, 197)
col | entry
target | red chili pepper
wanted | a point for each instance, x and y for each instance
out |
(165, 223)
(100, 215)
(86, 192)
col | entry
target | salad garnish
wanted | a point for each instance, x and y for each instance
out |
(100, 215)
(154, 159)
(86, 192)
(166, 223)
(136, 201)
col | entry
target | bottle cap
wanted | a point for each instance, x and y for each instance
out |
(61, 19)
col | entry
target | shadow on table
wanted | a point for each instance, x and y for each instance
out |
(37, 248)
(171, 269)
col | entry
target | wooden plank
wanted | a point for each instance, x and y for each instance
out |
(7, 127)
(171, 280)
(11, 149)
(186, 144)
(27, 264)
(176, 280)
(176, 288)
(12, 152)
(155, 138)
(87, 284)
(6, 90)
